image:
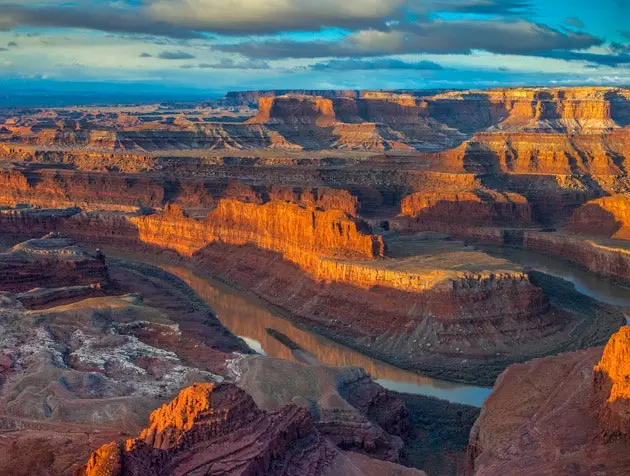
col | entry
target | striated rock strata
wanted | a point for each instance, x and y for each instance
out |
(49, 262)
(607, 216)
(214, 429)
(566, 414)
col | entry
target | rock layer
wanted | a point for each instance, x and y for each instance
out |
(558, 415)
(220, 430)
(50, 262)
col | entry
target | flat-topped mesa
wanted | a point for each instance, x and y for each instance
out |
(611, 384)
(49, 262)
(447, 212)
(607, 216)
(302, 235)
(521, 110)
(295, 110)
(218, 429)
(552, 109)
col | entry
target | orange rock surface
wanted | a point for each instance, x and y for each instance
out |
(432, 211)
(566, 414)
(301, 235)
(606, 258)
(212, 429)
(607, 216)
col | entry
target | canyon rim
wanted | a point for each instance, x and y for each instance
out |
(263, 238)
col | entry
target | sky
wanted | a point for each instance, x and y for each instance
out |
(212, 46)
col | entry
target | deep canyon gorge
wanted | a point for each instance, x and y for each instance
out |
(318, 282)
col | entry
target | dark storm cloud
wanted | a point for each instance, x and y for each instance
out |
(612, 60)
(175, 55)
(479, 7)
(375, 64)
(188, 19)
(96, 17)
(436, 37)
(573, 21)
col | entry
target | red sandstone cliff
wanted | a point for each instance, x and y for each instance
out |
(447, 212)
(210, 429)
(608, 217)
(47, 263)
(301, 234)
(566, 414)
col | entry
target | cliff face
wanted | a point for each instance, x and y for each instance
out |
(608, 217)
(611, 382)
(295, 110)
(540, 153)
(431, 211)
(605, 259)
(299, 234)
(523, 110)
(210, 429)
(566, 414)
(63, 188)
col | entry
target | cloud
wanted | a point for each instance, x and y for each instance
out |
(12, 44)
(229, 63)
(435, 37)
(188, 18)
(90, 17)
(618, 55)
(573, 21)
(375, 64)
(625, 34)
(478, 7)
(272, 16)
(4, 49)
(175, 55)
(145, 55)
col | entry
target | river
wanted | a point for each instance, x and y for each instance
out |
(249, 318)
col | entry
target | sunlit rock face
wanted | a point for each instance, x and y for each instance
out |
(562, 414)
(218, 429)
(607, 216)
(612, 383)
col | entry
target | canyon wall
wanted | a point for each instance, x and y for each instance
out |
(540, 153)
(209, 428)
(566, 414)
(609, 260)
(608, 217)
(544, 109)
(299, 234)
(447, 212)
(126, 192)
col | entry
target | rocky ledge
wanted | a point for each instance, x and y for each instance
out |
(50, 262)
(218, 429)
(566, 414)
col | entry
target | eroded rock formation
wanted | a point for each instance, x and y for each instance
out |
(559, 415)
(301, 235)
(220, 430)
(50, 262)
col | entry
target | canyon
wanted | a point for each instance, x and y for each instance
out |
(381, 225)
